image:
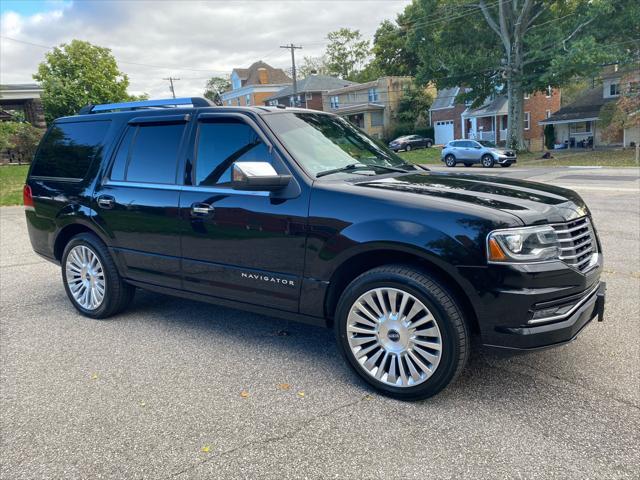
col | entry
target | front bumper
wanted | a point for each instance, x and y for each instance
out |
(557, 332)
(505, 159)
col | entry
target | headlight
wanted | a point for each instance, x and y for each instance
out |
(524, 245)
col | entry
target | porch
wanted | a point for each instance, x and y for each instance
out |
(492, 128)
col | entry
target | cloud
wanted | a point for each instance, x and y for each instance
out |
(192, 40)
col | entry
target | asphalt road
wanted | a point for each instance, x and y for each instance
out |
(142, 395)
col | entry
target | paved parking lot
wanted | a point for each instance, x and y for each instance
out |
(156, 392)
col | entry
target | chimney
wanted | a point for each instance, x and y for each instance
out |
(263, 76)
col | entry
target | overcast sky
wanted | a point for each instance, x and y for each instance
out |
(192, 40)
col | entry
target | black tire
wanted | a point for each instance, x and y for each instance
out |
(442, 305)
(450, 160)
(505, 165)
(429, 144)
(468, 164)
(487, 161)
(408, 148)
(118, 294)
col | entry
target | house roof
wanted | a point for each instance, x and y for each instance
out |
(21, 86)
(586, 107)
(362, 107)
(496, 106)
(313, 83)
(251, 76)
(445, 98)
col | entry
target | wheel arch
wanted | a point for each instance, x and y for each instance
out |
(67, 232)
(367, 260)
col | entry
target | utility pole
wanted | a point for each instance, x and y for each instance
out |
(293, 48)
(171, 80)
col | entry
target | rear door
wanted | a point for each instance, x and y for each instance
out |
(239, 245)
(137, 201)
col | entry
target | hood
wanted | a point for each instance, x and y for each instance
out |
(531, 202)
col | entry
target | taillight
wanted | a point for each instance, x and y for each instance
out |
(27, 197)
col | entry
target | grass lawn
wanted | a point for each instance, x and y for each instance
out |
(12, 179)
(604, 158)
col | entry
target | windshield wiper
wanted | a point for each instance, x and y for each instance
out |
(352, 167)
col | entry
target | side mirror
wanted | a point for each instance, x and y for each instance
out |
(257, 176)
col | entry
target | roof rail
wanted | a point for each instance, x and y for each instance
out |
(163, 102)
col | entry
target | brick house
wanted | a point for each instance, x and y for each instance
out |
(309, 94)
(372, 106)
(454, 119)
(253, 85)
(22, 97)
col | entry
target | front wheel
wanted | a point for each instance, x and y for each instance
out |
(408, 148)
(487, 161)
(402, 332)
(450, 161)
(91, 279)
(428, 144)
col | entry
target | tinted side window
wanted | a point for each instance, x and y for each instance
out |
(148, 153)
(69, 148)
(220, 144)
(454, 144)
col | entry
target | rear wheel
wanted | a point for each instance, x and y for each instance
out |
(408, 148)
(487, 161)
(450, 160)
(91, 279)
(429, 144)
(402, 332)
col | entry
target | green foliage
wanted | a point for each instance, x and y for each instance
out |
(20, 139)
(79, 73)
(347, 53)
(313, 64)
(413, 107)
(549, 136)
(215, 87)
(390, 51)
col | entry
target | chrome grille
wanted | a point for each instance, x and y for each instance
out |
(577, 242)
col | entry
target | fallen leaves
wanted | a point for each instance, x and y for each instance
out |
(301, 394)
(244, 394)
(94, 376)
(283, 386)
(205, 449)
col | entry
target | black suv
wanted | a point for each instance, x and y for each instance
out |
(298, 214)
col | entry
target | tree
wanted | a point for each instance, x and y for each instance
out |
(312, 65)
(347, 53)
(215, 87)
(390, 53)
(516, 46)
(625, 112)
(77, 74)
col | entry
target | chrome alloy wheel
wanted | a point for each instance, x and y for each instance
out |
(394, 337)
(85, 277)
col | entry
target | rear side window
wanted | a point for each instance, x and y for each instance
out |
(68, 149)
(222, 143)
(148, 153)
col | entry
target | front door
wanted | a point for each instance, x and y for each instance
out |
(242, 246)
(137, 203)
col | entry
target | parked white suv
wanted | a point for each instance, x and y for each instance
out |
(469, 152)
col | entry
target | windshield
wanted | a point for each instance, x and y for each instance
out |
(321, 142)
(487, 143)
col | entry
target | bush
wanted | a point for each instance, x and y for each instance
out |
(19, 140)
(549, 136)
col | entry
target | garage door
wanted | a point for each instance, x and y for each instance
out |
(443, 132)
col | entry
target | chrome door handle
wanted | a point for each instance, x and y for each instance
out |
(201, 209)
(106, 201)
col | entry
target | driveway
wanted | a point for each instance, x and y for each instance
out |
(156, 392)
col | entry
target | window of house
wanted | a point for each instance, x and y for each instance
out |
(308, 96)
(527, 96)
(373, 94)
(614, 89)
(238, 101)
(335, 101)
(527, 120)
(229, 102)
(247, 99)
(580, 127)
(220, 144)
(547, 113)
(292, 101)
(377, 119)
(68, 149)
(549, 91)
(148, 153)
